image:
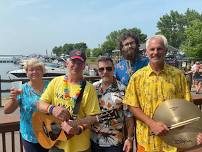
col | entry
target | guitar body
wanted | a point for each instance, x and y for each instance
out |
(48, 130)
(41, 124)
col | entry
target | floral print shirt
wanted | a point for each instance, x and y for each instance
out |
(147, 90)
(110, 132)
(124, 69)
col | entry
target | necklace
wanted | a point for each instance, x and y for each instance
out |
(67, 91)
(129, 68)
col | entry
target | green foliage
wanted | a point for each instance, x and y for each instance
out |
(107, 47)
(173, 25)
(96, 52)
(192, 15)
(192, 45)
(67, 47)
(112, 39)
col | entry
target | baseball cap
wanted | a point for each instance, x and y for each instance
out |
(77, 54)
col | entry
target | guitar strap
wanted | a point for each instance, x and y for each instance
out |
(78, 101)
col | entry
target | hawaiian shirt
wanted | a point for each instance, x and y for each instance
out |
(110, 132)
(147, 90)
(124, 69)
(27, 102)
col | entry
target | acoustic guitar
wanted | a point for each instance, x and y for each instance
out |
(48, 131)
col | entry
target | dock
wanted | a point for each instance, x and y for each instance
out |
(6, 60)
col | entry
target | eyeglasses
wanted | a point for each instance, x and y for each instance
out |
(109, 69)
(132, 44)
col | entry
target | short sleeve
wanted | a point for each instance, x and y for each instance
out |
(131, 97)
(90, 100)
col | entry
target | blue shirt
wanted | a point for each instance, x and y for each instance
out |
(27, 102)
(124, 69)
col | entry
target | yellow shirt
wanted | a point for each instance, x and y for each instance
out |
(89, 106)
(147, 90)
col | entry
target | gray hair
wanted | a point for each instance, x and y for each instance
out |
(161, 37)
(105, 59)
(32, 63)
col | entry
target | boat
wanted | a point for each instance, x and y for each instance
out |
(50, 72)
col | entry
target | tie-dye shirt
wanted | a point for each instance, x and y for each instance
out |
(27, 102)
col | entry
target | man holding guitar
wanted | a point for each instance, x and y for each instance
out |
(61, 100)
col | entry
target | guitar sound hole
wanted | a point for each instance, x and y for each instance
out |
(55, 131)
(45, 129)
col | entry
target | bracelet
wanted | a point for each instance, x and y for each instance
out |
(50, 109)
(80, 129)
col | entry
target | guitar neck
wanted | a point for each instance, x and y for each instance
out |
(89, 120)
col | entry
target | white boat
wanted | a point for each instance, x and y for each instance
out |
(50, 72)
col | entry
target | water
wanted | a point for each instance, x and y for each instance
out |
(4, 68)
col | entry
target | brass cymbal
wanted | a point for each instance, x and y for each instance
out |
(176, 111)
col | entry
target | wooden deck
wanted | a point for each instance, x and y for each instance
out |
(9, 132)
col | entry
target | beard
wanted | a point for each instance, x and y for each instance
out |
(129, 54)
(106, 79)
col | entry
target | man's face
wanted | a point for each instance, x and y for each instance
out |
(106, 70)
(129, 48)
(75, 66)
(156, 51)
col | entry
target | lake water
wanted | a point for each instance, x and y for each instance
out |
(4, 68)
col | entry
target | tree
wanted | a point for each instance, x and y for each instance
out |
(192, 15)
(57, 50)
(174, 24)
(172, 27)
(96, 52)
(81, 46)
(67, 47)
(192, 46)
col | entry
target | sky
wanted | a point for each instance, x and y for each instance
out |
(34, 26)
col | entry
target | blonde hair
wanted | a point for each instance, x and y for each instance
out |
(32, 63)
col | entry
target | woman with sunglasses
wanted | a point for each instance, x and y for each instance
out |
(108, 136)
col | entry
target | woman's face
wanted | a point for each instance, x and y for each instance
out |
(34, 73)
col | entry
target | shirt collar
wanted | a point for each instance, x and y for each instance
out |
(151, 72)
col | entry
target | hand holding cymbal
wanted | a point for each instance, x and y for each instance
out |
(184, 120)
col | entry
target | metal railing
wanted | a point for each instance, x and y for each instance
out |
(12, 126)
(88, 78)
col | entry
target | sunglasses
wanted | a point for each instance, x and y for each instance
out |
(109, 69)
